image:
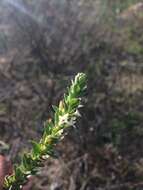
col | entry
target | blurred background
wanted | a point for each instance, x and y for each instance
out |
(43, 44)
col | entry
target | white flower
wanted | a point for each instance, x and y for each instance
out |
(60, 132)
(63, 119)
(77, 113)
(44, 157)
(66, 120)
(71, 122)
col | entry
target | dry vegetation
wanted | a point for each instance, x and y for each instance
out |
(40, 51)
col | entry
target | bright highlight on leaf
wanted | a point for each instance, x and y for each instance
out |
(65, 116)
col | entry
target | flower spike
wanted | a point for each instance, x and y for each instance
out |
(65, 116)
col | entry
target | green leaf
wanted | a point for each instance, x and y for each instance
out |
(74, 102)
(48, 127)
(19, 173)
(56, 118)
(36, 148)
(55, 108)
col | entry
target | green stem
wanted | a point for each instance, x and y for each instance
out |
(64, 116)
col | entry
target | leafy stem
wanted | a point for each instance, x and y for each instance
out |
(64, 116)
